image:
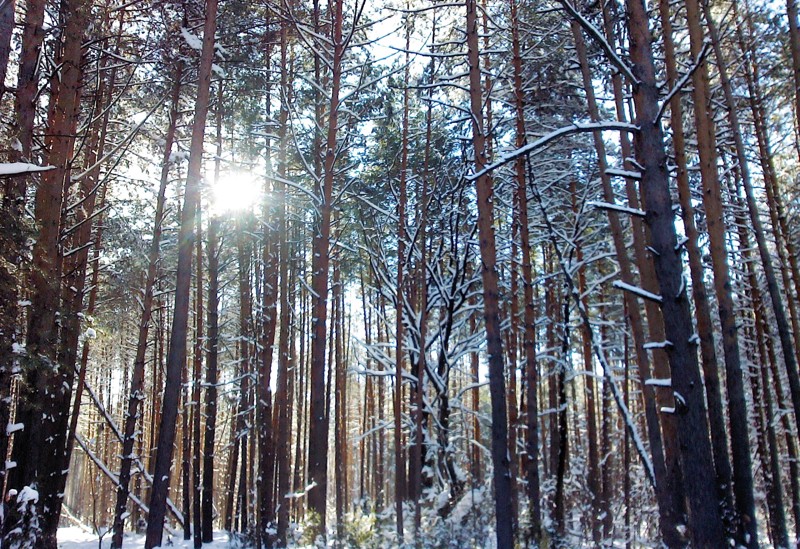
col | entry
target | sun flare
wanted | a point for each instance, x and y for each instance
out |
(235, 192)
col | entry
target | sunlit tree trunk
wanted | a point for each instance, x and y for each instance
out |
(132, 413)
(320, 264)
(44, 403)
(177, 350)
(212, 347)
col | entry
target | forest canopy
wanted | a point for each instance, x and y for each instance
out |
(487, 273)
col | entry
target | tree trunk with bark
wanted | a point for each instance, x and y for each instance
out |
(705, 525)
(177, 350)
(136, 398)
(491, 309)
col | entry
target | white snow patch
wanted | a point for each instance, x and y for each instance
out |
(14, 427)
(17, 168)
(27, 495)
(82, 537)
(18, 348)
(193, 41)
(655, 382)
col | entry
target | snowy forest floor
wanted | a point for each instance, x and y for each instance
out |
(74, 537)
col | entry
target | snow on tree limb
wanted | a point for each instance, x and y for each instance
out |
(637, 290)
(597, 348)
(505, 158)
(10, 169)
(616, 208)
(595, 33)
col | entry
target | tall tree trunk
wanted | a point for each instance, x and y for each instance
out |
(666, 484)
(776, 299)
(705, 525)
(402, 489)
(787, 252)
(283, 395)
(12, 230)
(39, 448)
(246, 360)
(197, 366)
(719, 442)
(137, 380)
(212, 348)
(747, 526)
(762, 399)
(268, 317)
(491, 310)
(177, 349)
(529, 313)
(318, 426)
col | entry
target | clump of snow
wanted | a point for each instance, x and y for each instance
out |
(91, 333)
(656, 382)
(18, 348)
(26, 497)
(193, 41)
(139, 118)
(466, 505)
(178, 156)
(14, 427)
(222, 53)
(442, 499)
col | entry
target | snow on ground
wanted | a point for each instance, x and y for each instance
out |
(78, 538)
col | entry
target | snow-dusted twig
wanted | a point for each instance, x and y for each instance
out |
(616, 208)
(114, 479)
(597, 349)
(595, 33)
(641, 292)
(682, 82)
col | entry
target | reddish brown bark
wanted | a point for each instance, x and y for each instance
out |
(320, 264)
(705, 525)
(137, 379)
(491, 310)
(177, 350)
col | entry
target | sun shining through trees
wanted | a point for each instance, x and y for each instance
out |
(496, 273)
(236, 192)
